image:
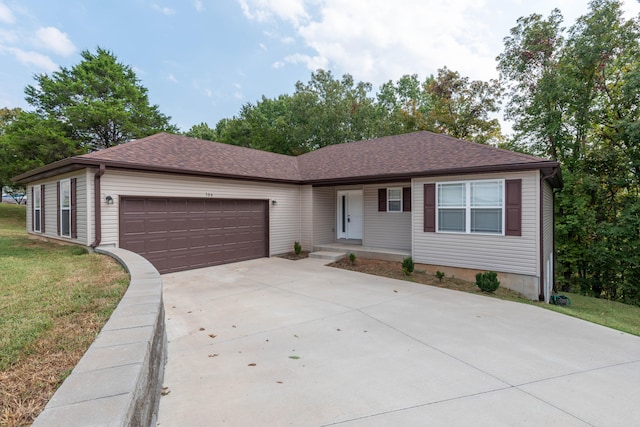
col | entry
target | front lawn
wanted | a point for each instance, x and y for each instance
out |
(54, 299)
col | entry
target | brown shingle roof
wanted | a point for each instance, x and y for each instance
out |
(393, 157)
(410, 154)
(164, 151)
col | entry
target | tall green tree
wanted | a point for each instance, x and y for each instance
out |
(100, 100)
(574, 97)
(31, 141)
(462, 108)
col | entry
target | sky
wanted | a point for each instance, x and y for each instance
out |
(201, 60)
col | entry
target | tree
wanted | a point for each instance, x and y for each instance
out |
(29, 142)
(202, 131)
(100, 100)
(461, 108)
(574, 97)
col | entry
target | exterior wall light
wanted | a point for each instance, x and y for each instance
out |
(109, 200)
(274, 203)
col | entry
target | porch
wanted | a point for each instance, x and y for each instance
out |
(335, 251)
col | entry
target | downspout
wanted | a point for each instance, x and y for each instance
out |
(97, 203)
(542, 275)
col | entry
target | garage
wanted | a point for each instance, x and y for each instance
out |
(177, 234)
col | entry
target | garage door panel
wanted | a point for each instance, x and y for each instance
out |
(182, 233)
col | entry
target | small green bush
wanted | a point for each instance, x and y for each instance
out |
(407, 265)
(352, 258)
(440, 275)
(487, 281)
(297, 248)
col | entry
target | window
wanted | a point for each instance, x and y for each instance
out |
(37, 208)
(394, 199)
(470, 207)
(65, 208)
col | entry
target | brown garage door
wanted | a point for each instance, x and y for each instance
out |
(177, 234)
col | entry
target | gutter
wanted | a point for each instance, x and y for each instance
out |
(554, 175)
(97, 206)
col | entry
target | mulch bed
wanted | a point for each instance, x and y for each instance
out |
(293, 256)
(393, 270)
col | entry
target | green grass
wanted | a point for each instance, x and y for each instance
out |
(616, 315)
(45, 285)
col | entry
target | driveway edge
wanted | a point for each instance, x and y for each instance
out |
(118, 380)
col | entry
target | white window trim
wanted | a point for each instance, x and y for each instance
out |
(37, 210)
(64, 182)
(389, 189)
(468, 207)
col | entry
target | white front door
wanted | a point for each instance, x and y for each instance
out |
(350, 213)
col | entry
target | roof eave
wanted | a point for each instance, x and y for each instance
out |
(76, 163)
(546, 167)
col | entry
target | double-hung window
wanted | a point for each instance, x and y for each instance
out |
(471, 207)
(65, 208)
(37, 209)
(394, 199)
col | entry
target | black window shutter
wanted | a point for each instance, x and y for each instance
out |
(513, 206)
(382, 199)
(406, 199)
(74, 211)
(58, 207)
(429, 208)
(42, 217)
(33, 211)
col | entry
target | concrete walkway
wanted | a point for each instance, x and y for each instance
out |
(275, 342)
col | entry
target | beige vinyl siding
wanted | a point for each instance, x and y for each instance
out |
(547, 236)
(508, 254)
(284, 217)
(306, 217)
(51, 204)
(324, 215)
(385, 229)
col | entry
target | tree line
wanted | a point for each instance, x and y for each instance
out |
(329, 110)
(572, 94)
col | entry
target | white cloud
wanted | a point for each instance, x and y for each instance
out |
(277, 65)
(31, 58)
(198, 5)
(262, 46)
(379, 40)
(55, 40)
(288, 40)
(6, 15)
(164, 10)
(172, 78)
(208, 93)
(292, 11)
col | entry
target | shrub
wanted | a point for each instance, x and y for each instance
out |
(297, 248)
(440, 275)
(407, 265)
(352, 258)
(488, 281)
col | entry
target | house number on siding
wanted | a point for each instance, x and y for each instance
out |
(208, 194)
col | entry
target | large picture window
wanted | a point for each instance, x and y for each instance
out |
(37, 208)
(65, 208)
(471, 207)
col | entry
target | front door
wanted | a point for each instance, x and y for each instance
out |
(350, 209)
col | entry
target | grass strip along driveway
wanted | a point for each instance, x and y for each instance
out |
(54, 299)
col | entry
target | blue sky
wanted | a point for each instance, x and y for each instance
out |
(201, 60)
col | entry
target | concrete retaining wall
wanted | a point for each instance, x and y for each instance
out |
(117, 382)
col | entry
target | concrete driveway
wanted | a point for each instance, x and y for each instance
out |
(275, 342)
